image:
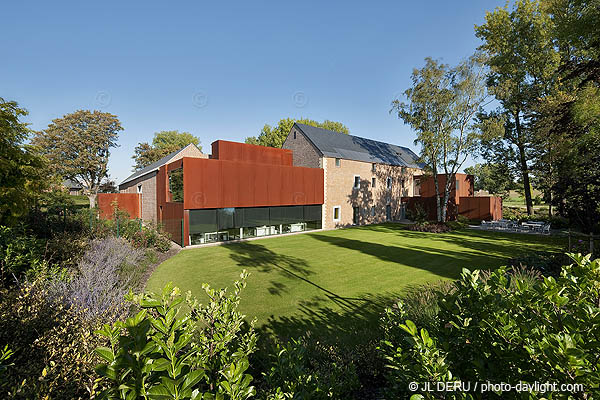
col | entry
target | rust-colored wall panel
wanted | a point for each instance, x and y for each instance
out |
(212, 183)
(129, 202)
(481, 208)
(249, 153)
(465, 186)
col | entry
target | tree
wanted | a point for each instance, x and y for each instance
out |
(108, 186)
(275, 136)
(163, 143)
(22, 170)
(522, 62)
(495, 178)
(442, 105)
(78, 145)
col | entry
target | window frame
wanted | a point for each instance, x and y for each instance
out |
(338, 162)
(339, 214)
(354, 182)
(373, 182)
(388, 182)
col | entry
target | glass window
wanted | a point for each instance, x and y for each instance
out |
(203, 221)
(373, 182)
(373, 211)
(256, 216)
(225, 218)
(374, 167)
(312, 213)
(338, 162)
(355, 215)
(356, 181)
(336, 213)
(457, 181)
(294, 134)
(389, 182)
(176, 185)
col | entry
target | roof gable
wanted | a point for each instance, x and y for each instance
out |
(154, 166)
(340, 145)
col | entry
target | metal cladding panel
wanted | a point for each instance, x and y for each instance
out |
(249, 153)
(261, 187)
(210, 183)
(129, 202)
(287, 186)
(274, 185)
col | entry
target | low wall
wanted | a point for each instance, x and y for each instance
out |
(128, 202)
(481, 208)
(430, 206)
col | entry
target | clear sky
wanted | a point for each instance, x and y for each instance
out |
(221, 70)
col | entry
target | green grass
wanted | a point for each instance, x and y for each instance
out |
(338, 282)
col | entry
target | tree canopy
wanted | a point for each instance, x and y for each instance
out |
(442, 106)
(275, 136)
(22, 171)
(77, 147)
(494, 178)
(163, 143)
(522, 62)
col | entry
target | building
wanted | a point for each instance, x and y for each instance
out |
(319, 179)
(74, 188)
(365, 180)
(241, 191)
(143, 181)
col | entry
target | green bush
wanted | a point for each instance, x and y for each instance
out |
(418, 214)
(307, 369)
(159, 353)
(503, 327)
(53, 348)
(19, 253)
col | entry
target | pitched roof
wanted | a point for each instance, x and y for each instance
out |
(153, 167)
(348, 147)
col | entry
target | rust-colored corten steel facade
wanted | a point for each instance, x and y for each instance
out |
(461, 200)
(237, 176)
(129, 202)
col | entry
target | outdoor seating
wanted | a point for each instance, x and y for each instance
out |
(506, 225)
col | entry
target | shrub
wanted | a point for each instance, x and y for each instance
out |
(53, 348)
(307, 369)
(431, 228)
(96, 287)
(18, 254)
(417, 214)
(159, 353)
(503, 328)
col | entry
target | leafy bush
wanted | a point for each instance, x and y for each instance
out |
(548, 264)
(418, 214)
(53, 348)
(158, 353)
(18, 254)
(520, 215)
(97, 287)
(307, 369)
(503, 328)
(431, 228)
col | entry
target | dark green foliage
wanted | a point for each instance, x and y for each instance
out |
(417, 214)
(53, 349)
(503, 327)
(438, 227)
(22, 170)
(159, 353)
(304, 368)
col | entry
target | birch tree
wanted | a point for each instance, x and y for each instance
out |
(442, 107)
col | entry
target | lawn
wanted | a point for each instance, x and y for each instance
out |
(337, 281)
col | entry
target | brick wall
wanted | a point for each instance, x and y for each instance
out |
(304, 153)
(339, 191)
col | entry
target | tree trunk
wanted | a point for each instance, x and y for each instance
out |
(92, 198)
(437, 196)
(523, 165)
(447, 187)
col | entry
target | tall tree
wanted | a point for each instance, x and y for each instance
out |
(275, 136)
(522, 62)
(495, 178)
(78, 145)
(22, 170)
(442, 107)
(163, 143)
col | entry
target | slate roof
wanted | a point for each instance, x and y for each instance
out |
(152, 167)
(348, 147)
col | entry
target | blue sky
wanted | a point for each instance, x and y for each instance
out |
(221, 70)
